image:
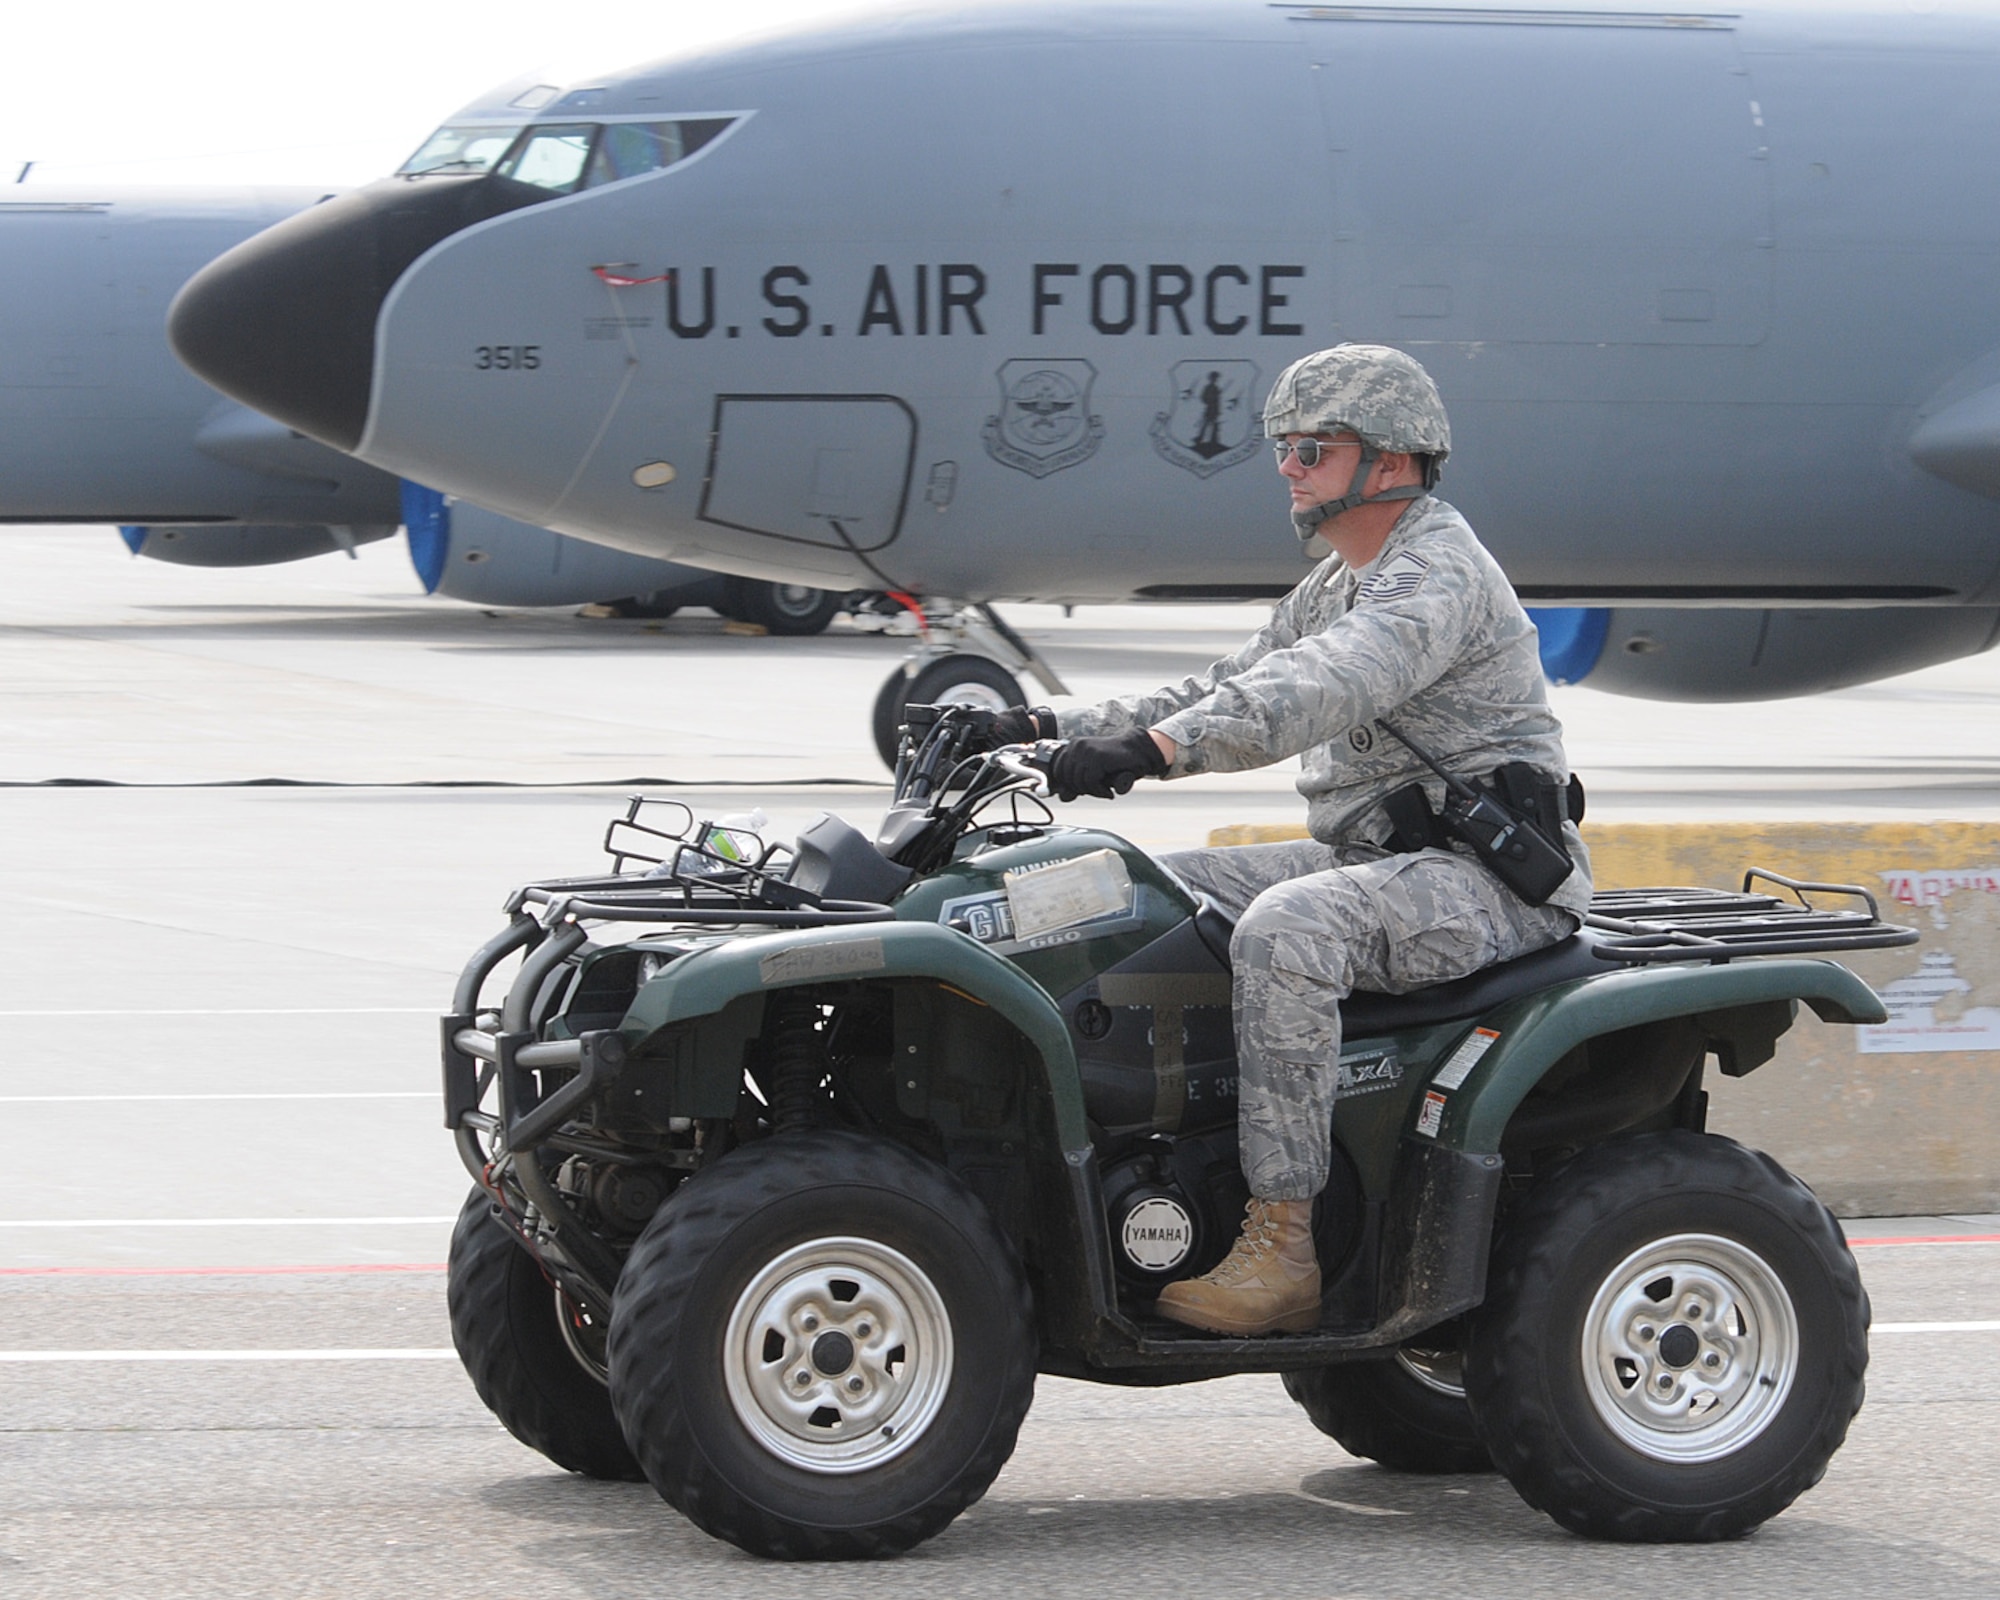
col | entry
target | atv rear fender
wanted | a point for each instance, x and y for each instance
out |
(1740, 1009)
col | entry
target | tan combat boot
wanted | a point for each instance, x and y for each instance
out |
(1268, 1283)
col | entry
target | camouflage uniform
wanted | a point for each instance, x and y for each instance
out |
(1429, 634)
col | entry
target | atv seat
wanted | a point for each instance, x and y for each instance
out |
(1366, 1012)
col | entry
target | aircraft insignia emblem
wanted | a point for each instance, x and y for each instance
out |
(1045, 422)
(1211, 422)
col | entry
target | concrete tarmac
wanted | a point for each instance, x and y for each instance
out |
(219, 995)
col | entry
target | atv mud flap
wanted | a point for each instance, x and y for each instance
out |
(1439, 1235)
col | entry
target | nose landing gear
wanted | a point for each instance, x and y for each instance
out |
(959, 660)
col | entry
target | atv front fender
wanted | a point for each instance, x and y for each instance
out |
(703, 982)
(1536, 1032)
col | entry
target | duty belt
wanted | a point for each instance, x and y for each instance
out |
(1510, 818)
(1414, 825)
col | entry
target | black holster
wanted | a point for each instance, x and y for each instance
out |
(1513, 824)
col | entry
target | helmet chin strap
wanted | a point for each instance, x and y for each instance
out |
(1306, 523)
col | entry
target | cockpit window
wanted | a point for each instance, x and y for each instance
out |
(460, 150)
(550, 157)
(563, 157)
(626, 149)
(629, 149)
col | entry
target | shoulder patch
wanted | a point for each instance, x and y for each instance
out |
(1397, 579)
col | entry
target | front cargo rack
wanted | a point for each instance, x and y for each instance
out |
(749, 898)
(699, 873)
(1685, 924)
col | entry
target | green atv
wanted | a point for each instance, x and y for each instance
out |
(796, 1164)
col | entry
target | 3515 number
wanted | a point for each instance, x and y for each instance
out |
(507, 357)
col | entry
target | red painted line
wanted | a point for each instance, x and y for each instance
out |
(218, 1272)
(367, 1267)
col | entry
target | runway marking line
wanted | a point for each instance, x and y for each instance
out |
(411, 1354)
(335, 1094)
(447, 1353)
(245, 1011)
(422, 1353)
(359, 1268)
(223, 1222)
(340, 1269)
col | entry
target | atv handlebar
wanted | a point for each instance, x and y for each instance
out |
(1033, 766)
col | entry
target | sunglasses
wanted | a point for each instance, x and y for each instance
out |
(1309, 451)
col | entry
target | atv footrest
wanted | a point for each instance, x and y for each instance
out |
(1164, 1344)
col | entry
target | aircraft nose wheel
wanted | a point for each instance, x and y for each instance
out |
(955, 679)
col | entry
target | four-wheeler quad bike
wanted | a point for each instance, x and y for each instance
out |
(796, 1164)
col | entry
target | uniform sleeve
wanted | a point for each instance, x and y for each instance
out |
(1149, 710)
(1411, 620)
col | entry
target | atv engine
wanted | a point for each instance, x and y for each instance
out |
(1174, 1206)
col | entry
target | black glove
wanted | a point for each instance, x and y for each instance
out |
(1015, 725)
(1105, 767)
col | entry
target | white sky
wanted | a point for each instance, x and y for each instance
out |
(259, 91)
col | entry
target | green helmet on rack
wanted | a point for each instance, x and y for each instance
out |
(1382, 396)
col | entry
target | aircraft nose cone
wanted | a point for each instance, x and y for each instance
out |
(285, 322)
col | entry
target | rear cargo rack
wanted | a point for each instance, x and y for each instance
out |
(1686, 924)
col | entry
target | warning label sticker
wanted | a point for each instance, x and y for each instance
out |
(1453, 1073)
(1431, 1117)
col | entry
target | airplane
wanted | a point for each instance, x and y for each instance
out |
(102, 424)
(979, 306)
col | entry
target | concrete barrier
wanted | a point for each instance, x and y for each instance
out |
(1899, 1120)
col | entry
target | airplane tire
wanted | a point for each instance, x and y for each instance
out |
(790, 609)
(1673, 1343)
(955, 679)
(1409, 1412)
(885, 720)
(505, 1321)
(867, 1271)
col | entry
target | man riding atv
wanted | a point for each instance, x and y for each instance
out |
(794, 1164)
(1407, 630)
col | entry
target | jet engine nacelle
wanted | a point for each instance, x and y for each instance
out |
(1661, 653)
(242, 544)
(465, 552)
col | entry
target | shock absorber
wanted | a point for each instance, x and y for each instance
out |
(797, 1063)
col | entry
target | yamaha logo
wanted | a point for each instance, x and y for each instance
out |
(1158, 1234)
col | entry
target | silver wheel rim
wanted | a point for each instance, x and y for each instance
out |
(794, 599)
(971, 694)
(1442, 1371)
(1690, 1348)
(838, 1355)
(583, 1336)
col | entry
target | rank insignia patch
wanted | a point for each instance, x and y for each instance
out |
(1397, 579)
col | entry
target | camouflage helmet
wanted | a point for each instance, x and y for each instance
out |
(1371, 390)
